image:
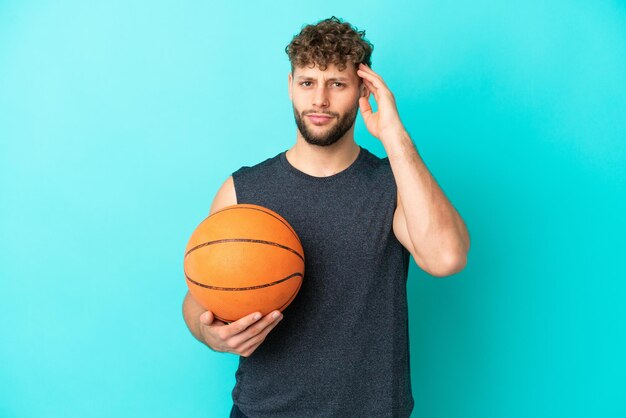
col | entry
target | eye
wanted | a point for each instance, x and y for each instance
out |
(304, 83)
(338, 84)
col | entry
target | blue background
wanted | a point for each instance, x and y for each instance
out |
(119, 121)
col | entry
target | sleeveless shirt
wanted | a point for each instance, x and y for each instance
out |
(342, 347)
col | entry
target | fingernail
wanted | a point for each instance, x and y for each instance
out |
(257, 317)
(275, 315)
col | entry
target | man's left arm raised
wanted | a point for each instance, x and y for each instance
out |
(425, 222)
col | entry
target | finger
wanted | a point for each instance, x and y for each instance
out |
(367, 70)
(374, 79)
(249, 346)
(381, 95)
(372, 89)
(240, 325)
(206, 318)
(366, 108)
(253, 331)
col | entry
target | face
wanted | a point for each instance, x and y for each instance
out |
(325, 103)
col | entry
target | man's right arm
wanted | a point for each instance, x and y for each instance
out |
(239, 337)
(192, 310)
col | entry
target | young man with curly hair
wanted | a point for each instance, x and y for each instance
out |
(341, 348)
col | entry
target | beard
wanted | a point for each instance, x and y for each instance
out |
(332, 134)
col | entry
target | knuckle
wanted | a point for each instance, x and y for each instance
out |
(271, 326)
(221, 335)
(248, 352)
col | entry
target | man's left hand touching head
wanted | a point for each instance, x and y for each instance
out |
(386, 120)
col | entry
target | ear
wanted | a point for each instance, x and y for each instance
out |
(365, 92)
(290, 79)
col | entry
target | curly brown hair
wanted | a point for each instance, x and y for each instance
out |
(330, 41)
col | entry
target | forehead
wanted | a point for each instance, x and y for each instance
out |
(331, 72)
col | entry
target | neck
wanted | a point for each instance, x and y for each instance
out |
(319, 161)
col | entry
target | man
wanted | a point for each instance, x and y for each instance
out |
(341, 349)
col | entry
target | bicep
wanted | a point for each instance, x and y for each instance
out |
(225, 196)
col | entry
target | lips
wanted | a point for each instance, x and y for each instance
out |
(319, 119)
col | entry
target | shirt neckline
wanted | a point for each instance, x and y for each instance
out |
(342, 173)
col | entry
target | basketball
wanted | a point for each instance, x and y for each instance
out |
(243, 259)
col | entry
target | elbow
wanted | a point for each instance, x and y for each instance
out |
(451, 264)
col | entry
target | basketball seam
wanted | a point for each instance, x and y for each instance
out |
(293, 296)
(253, 241)
(244, 288)
(265, 212)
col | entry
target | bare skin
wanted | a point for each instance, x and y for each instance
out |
(425, 222)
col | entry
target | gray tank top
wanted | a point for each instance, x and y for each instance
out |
(342, 348)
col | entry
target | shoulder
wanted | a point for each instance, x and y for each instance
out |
(246, 179)
(225, 196)
(227, 193)
(256, 169)
(377, 167)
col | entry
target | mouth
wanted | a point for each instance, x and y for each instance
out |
(319, 119)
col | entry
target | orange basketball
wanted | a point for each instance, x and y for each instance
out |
(244, 259)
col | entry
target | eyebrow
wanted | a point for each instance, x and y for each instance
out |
(303, 77)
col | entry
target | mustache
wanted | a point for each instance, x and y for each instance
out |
(306, 112)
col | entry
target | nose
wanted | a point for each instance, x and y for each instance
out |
(321, 96)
